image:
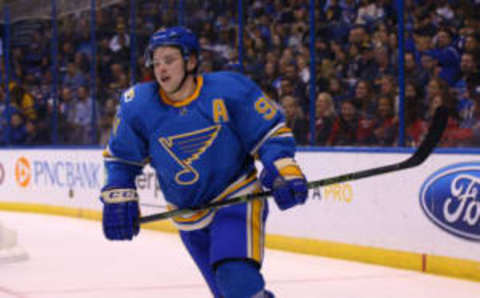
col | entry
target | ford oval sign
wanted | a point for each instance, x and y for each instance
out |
(451, 199)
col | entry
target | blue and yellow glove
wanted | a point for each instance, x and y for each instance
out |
(120, 213)
(287, 182)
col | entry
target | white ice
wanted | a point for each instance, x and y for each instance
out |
(69, 258)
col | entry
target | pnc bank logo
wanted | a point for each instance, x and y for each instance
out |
(57, 173)
(23, 172)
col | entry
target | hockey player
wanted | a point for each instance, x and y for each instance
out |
(201, 134)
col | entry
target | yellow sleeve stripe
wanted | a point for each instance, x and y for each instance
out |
(106, 153)
(282, 130)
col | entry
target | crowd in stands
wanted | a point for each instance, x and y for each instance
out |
(356, 71)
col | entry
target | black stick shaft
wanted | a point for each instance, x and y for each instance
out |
(431, 140)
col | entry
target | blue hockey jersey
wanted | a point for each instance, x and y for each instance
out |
(202, 148)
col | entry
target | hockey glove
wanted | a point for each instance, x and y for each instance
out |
(120, 213)
(286, 181)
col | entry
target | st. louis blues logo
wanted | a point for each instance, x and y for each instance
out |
(187, 147)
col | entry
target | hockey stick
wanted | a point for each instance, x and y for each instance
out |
(431, 140)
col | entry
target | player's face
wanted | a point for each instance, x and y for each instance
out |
(168, 67)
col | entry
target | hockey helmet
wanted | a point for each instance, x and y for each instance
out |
(181, 37)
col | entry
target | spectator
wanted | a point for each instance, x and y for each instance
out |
(35, 135)
(472, 46)
(120, 40)
(23, 101)
(66, 54)
(369, 12)
(387, 86)
(470, 76)
(447, 56)
(415, 126)
(350, 127)
(368, 67)
(415, 72)
(270, 74)
(325, 115)
(294, 118)
(382, 65)
(438, 94)
(386, 123)
(105, 59)
(336, 89)
(364, 98)
(358, 36)
(17, 130)
(84, 118)
(74, 77)
(66, 116)
(303, 68)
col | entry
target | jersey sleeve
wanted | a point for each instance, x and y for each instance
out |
(260, 123)
(126, 153)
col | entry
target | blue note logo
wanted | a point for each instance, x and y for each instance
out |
(451, 199)
(188, 147)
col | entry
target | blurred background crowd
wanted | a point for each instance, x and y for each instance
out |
(356, 89)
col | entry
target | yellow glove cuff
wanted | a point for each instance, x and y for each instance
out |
(288, 168)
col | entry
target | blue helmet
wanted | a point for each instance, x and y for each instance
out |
(174, 36)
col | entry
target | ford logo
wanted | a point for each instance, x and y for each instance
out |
(450, 198)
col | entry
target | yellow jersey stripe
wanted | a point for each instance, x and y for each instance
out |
(232, 189)
(185, 101)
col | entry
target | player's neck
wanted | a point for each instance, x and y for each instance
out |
(185, 91)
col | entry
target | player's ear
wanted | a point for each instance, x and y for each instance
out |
(192, 63)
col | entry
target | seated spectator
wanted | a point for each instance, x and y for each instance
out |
(415, 126)
(469, 76)
(24, 101)
(382, 64)
(439, 95)
(364, 98)
(294, 118)
(74, 77)
(447, 56)
(270, 74)
(472, 46)
(325, 115)
(35, 135)
(369, 13)
(415, 72)
(350, 127)
(120, 39)
(303, 68)
(337, 91)
(387, 86)
(385, 128)
(66, 116)
(438, 88)
(84, 118)
(17, 134)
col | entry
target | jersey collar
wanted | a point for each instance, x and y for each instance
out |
(187, 100)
